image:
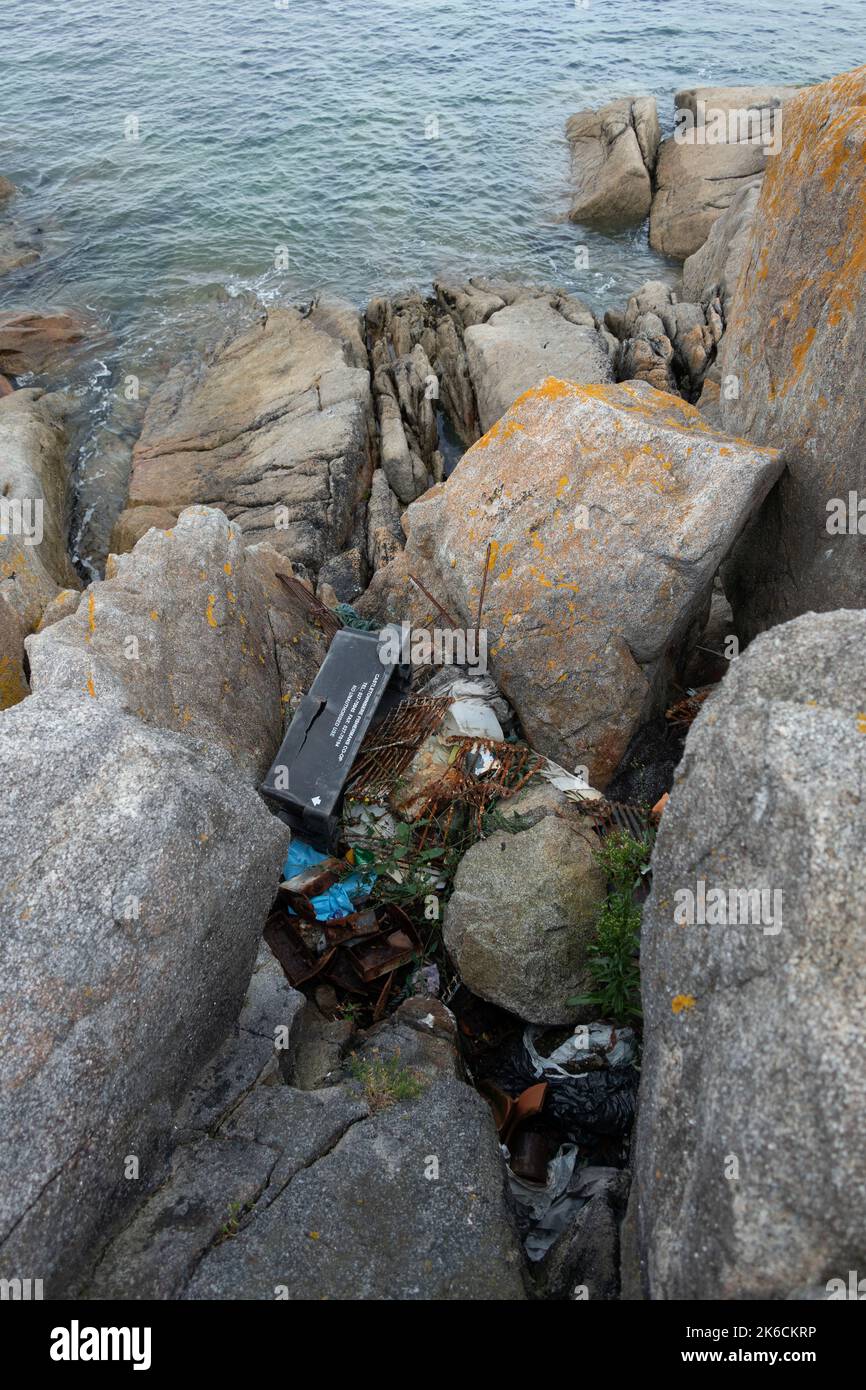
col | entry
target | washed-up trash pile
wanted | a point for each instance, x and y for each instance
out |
(385, 788)
(564, 1105)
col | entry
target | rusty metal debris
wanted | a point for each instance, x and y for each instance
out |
(309, 606)
(684, 712)
(408, 764)
(388, 749)
(605, 816)
(352, 952)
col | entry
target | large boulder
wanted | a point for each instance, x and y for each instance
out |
(608, 510)
(276, 431)
(524, 343)
(178, 635)
(522, 914)
(795, 346)
(138, 866)
(751, 1121)
(34, 496)
(724, 139)
(613, 154)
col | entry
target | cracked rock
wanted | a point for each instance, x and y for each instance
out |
(613, 154)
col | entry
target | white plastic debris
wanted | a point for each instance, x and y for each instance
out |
(616, 1046)
(471, 719)
(571, 783)
(462, 685)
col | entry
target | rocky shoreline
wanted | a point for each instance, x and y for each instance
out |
(637, 492)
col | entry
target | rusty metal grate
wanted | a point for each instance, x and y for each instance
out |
(388, 748)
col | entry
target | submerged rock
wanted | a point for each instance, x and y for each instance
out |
(37, 342)
(608, 510)
(613, 154)
(751, 1122)
(793, 362)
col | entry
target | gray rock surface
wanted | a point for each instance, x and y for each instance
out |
(613, 154)
(522, 344)
(751, 1124)
(137, 868)
(179, 635)
(368, 1220)
(522, 916)
(584, 1263)
(279, 1193)
(697, 178)
(714, 269)
(277, 431)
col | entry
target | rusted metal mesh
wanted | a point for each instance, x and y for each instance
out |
(388, 749)
(387, 753)
(685, 711)
(616, 815)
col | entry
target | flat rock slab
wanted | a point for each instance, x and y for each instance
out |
(608, 510)
(408, 1205)
(523, 344)
(276, 431)
(751, 1121)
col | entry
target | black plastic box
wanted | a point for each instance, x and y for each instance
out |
(353, 686)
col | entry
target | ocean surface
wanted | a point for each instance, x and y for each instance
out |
(184, 159)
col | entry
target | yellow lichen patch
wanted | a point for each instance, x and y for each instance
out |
(681, 1003)
(211, 600)
(91, 615)
(491, 561)
(154, 615)
(228, 566)
(90, 687)
(561, 486)
(861, 722)
(12, 687)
